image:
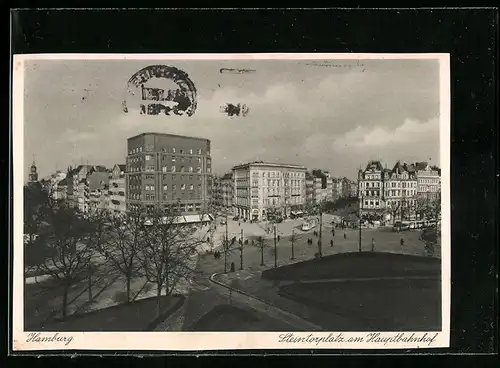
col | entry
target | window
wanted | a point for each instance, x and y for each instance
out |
(199, 151)
(148, 157)
(173, 149)
(190, 169)
(140, 149)
(198, 169)
(190, 151)
(199, 186)
(174, 187)
(165, 187)
(172, 169)
(164, 169)
(183, 186)
(181, 151)
(173, 158)
(191, 187)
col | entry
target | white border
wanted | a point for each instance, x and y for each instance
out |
(191, 341)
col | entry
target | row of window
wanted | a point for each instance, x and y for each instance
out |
(392, 184)
(277, 174)
(174, 187)
(134, 179)
(173, 150)
(392, 193)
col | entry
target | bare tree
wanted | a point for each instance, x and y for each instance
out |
(168, 249)
(122, 247)
(69, 260)
(97, 236)
(395, 207)
(262, 245)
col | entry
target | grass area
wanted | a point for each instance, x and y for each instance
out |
(357, 264)
(228, 318)
(135, 316)
(390, 305)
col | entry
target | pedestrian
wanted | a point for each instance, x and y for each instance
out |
(402, 242)
(373, 244)
(345, 236)
(331, 243)
(279, 238)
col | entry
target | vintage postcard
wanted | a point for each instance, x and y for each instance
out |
(231, 201)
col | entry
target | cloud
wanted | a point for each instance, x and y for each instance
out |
(318, 117)
(409, 132)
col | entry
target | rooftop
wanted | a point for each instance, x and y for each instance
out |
(268, 164)
(168, 135)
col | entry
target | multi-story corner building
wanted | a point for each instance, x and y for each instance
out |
(93, 190)
(310, 190)
(166, 169)
(217, 191)
(400, 191)
(428, 181)
(322, 186)
(337, 189)
(222, 192)
(116, 191)
(76, 194)
(60, 189)
(371, 187)
(262, 189)
(227, 193)
(353, 189)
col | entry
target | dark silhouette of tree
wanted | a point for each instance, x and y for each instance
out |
(122, 247)
(68, 263)
(168, 249)
(262, 245)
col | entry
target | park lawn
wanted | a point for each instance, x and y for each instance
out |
(228, 318)
(390, 305)
(139, 315)
(357, 265)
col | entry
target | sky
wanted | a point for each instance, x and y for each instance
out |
(327, 117)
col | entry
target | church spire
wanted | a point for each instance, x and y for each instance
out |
(33, 171)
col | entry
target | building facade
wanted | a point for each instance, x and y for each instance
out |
(166, 169)
(428, 181)
(400, 191)
(227, 190)
(76, 194)
(262, 189)
(390, 193)
(371, 187)
(116, 190)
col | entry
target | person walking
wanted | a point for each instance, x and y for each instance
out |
(373, 244)
(345, 236)
(402, 242)
(331, 243)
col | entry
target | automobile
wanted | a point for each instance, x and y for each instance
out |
(236, 218)
(278, 220)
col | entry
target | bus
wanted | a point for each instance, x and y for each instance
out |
(401, 226)
(309, 224)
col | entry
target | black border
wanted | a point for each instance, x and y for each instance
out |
(469, 35)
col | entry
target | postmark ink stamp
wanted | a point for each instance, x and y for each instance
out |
(158, 89)
(235, 109)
